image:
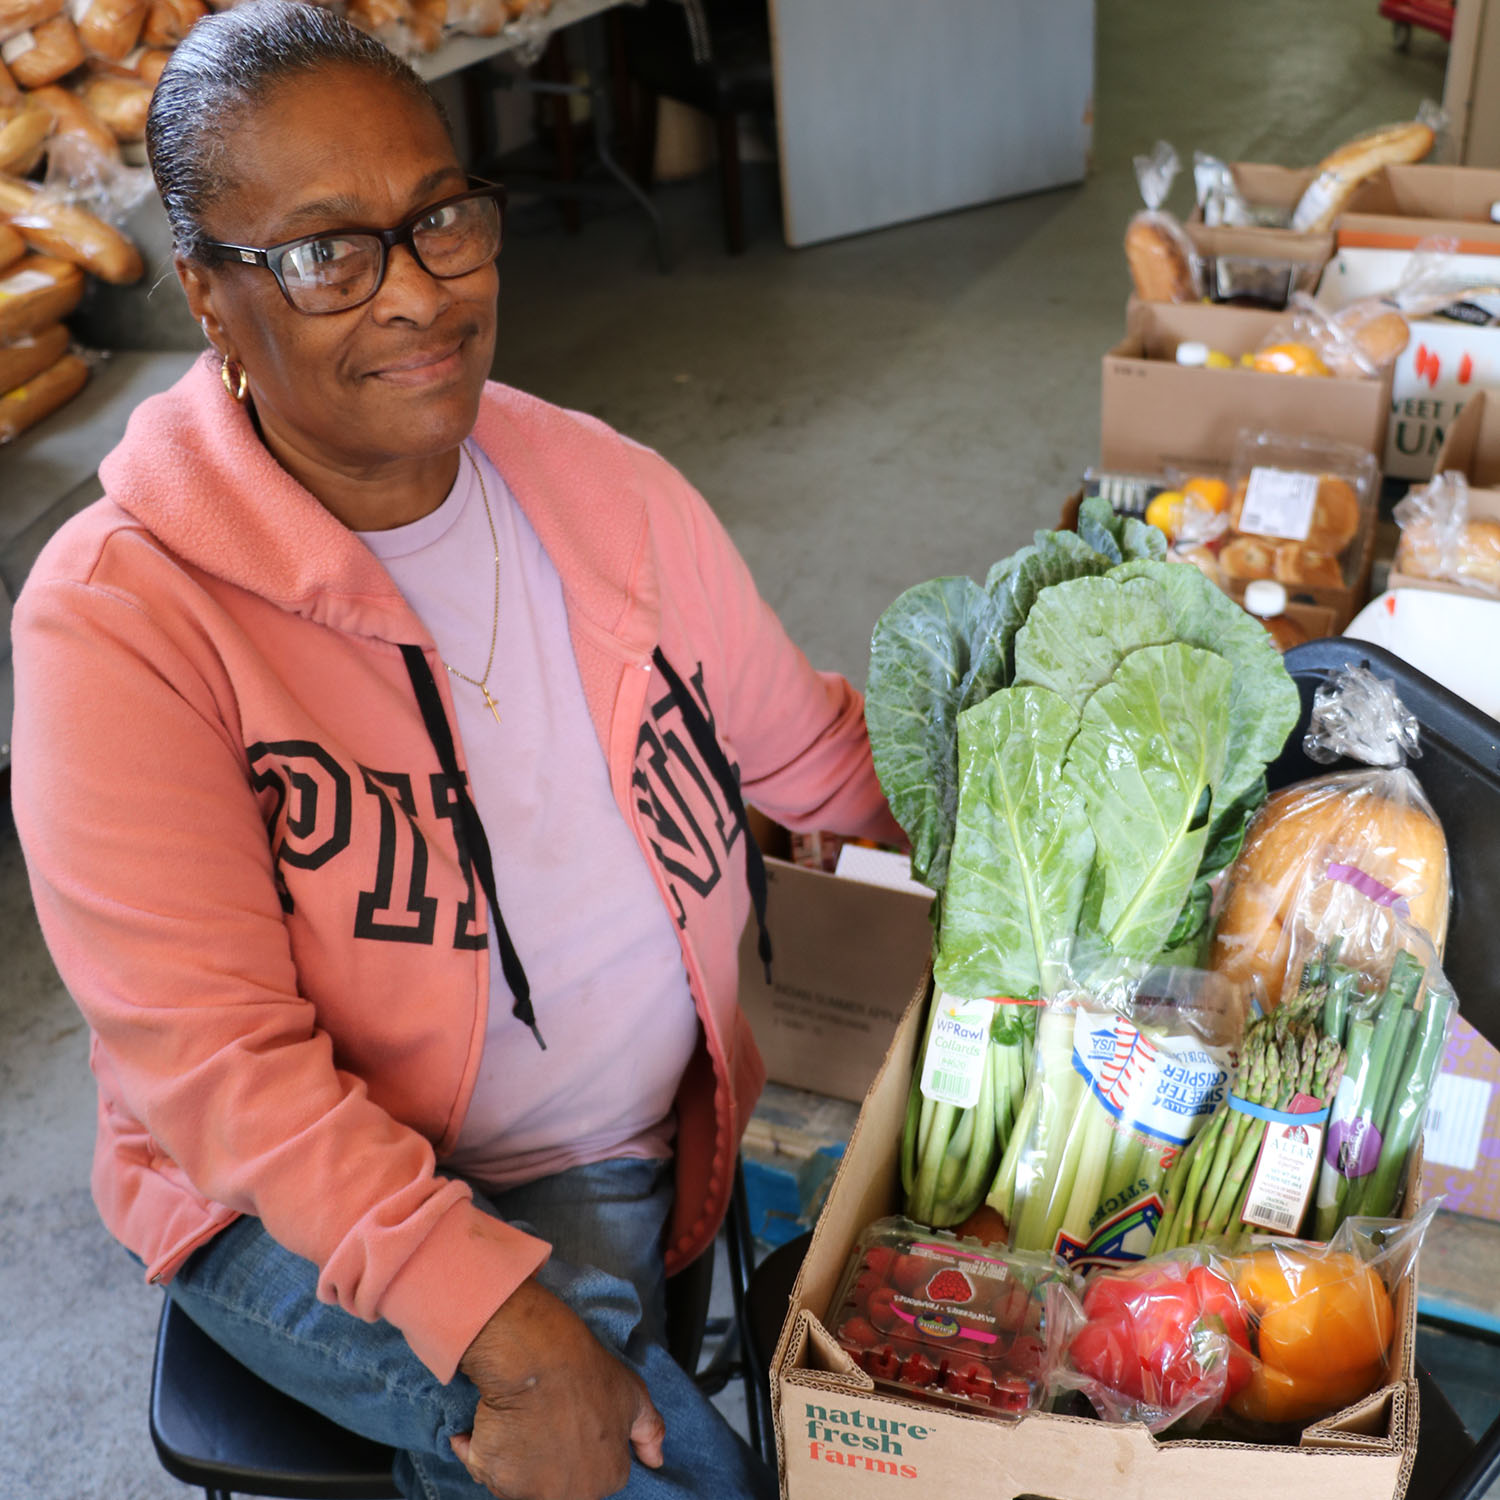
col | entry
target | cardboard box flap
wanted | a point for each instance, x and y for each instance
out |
(1472, 443)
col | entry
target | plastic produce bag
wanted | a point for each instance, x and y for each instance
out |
(1269, 1339)
(1359, 340)
(1439, 539)
(1339, 856)
(1163, 264)
(1122, 1080)
(1297, 510)
(937, 1316)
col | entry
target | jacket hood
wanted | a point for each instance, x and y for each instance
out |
(192, 471)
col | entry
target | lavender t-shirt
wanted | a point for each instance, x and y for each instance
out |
(607, 978)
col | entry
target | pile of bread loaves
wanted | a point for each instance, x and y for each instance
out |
(76, 78)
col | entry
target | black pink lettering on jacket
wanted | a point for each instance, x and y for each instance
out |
(312, 800)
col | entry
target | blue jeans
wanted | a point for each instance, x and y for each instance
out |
(606, 1224)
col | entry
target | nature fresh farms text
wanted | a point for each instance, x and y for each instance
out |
(859, 1441)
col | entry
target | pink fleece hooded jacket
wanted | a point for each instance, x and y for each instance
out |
(241, 841)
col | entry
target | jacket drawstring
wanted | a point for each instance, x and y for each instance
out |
(702, 736)
(471, 831)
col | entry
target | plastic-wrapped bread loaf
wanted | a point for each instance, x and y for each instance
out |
(41, 396)
(72, 117)
(168, 21)
(149, 65)
(1343, 170)
(35, 291)
(44, 54)
(23, 130)
(17, 16)
(30, 355)
(110, 28)
(59, 229)
(121, 103)
(12, 246)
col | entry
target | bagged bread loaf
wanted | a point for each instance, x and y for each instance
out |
(31, 354)
(149, 65)
(73, 118)
(17, 16)
(24, 129)
(168, 21)
(40, 396)
(12, 246)
(1314, 854)
(1161, 259)
(59, 229)
(110, 28)
(35, 291)
(1440, 540)
(121, 103)
(1335, 514)
(1343, 170)
(44, 54)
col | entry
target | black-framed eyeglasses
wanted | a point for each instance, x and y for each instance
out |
(341, 269)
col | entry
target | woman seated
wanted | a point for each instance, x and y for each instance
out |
(379, 757)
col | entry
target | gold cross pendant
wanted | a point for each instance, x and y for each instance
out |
(490, 703)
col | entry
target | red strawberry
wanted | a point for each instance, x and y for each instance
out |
(1025, 1357)
(918, 1369)
(909, 1273)
(950, 1286)
(882, 1314)
(878, 1259)
(858, 1332)
(883, 1363)
(1012, 1394)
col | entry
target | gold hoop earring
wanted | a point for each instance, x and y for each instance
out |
(238, 384)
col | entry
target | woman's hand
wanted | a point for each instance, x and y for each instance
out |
(558, 1413)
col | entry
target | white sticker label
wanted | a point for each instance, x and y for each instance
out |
(17, 46)
(1279, 502)
(1162, 1086)
(1455, 1121)
(1284, 1176)
(953, 1065)
(22, 282)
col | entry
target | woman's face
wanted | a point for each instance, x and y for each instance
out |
(398, 378)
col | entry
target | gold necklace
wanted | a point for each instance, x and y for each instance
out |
(482, 683)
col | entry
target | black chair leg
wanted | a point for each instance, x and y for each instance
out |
(741, 1264)
(647, 118)
(729, 183)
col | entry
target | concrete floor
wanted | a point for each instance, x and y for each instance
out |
(863, 415)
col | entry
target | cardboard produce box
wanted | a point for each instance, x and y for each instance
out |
(845, 954)
(1472, 447)
(1461, 1144)
(1442, 366)
(1157, 413)
(1400, 206)
(836, 1435)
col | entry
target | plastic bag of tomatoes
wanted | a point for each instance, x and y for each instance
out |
(1267, 1340)
(948, 1318)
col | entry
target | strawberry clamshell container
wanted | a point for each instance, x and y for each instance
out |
(944, 1318)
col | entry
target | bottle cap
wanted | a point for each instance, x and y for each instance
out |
(1265, 598)
(1192, 353)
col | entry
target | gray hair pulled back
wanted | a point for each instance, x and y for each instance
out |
(225, 65)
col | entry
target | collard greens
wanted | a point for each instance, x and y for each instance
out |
(1074, 750)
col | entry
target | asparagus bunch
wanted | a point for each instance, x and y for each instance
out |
(1284, 1055)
